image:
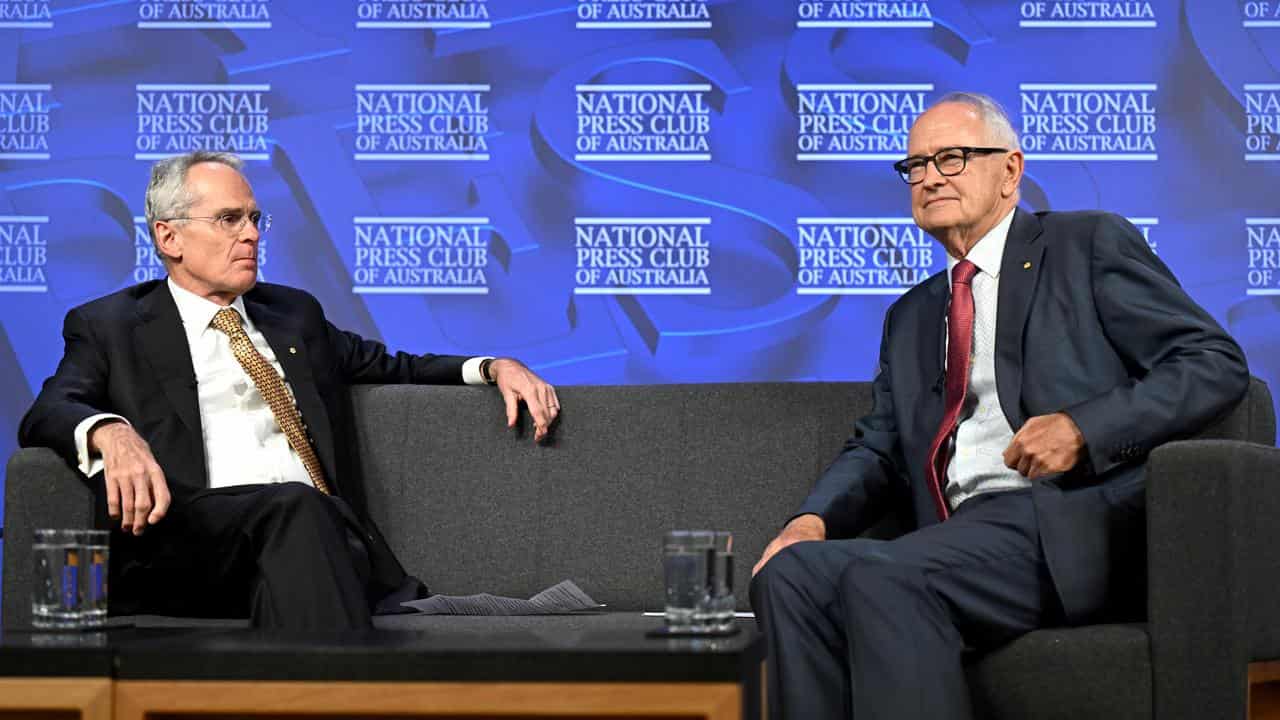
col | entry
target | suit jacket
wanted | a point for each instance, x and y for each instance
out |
(127, 354)
(1091, 323)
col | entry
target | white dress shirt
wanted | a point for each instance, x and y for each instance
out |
(243, 443)
(977, 465)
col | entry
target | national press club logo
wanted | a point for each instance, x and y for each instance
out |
(423, 14)
(1086, 14)
(659, 123)
(204, 14)
(1263, 252)
(643, 15)
(863, 255)
(857, 121)
(1262, 122)
(1260, 13)
(421, 255)
(1088, 121)
(863, 14)
(24, 121)
(24, 253)
(422, 122)
(179, 118)
(642, 255)
(147, 264)
(25, 15)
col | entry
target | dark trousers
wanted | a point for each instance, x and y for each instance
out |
(285, 555)
(876, 630)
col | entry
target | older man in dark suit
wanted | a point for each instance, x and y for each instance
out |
(1015, 401)
(209, 411)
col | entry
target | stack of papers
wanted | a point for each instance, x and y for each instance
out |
(559, 599)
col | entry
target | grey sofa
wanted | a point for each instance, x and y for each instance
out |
(470, 506)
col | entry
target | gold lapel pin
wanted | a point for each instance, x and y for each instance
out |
(293, 351)
(1025, 266)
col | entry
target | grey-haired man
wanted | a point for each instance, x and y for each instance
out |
(1016, 398)
(205, 411)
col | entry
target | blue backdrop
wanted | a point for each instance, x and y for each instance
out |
(621, 191)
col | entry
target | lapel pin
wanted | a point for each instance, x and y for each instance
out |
(293, 350)
(1025, 266)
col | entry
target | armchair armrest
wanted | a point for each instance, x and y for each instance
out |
(41, 491)
(1213, 592)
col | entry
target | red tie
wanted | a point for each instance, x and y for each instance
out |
(959, 351)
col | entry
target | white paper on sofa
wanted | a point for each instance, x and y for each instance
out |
(561, 598)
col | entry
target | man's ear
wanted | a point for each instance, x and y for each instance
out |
(168, 244)
(1013, 166)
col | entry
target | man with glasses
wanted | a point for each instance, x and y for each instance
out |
(1016, 398)
(207, 413)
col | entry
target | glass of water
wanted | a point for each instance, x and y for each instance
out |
(686, 568)
(722, 602)
(94, 552)
(55, 597)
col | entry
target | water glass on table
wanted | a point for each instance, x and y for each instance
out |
(94, 552)
(686, 569)
(55, 595)
(722, 601)
(69, 591)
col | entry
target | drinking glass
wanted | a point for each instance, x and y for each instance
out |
(722, 601)
(686, 566)
(55, 595)
(94, 552)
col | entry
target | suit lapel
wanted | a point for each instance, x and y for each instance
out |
(933, 332)
(933, 348)
(1019, 273)
(160, 336)
(285, 338)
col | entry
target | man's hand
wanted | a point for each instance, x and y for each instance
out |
(801, 529)
(517, 382)
(1045, 445)
(137, 492)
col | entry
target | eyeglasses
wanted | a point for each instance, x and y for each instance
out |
(949, 161)
(232, 222)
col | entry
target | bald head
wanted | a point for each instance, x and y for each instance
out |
(959, 208)
(999, 127)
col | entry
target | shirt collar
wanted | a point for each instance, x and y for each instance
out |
(197, 312)
(989, 251)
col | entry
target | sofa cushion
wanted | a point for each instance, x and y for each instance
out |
(1099, 671)
(471, 507)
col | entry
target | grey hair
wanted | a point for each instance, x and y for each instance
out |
(992, 113)
(167, 193)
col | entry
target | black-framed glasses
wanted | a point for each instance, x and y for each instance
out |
(232, 221)
(949, 161)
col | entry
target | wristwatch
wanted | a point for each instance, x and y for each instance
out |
(484, 371)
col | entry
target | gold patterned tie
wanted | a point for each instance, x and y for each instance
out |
(273, 391)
